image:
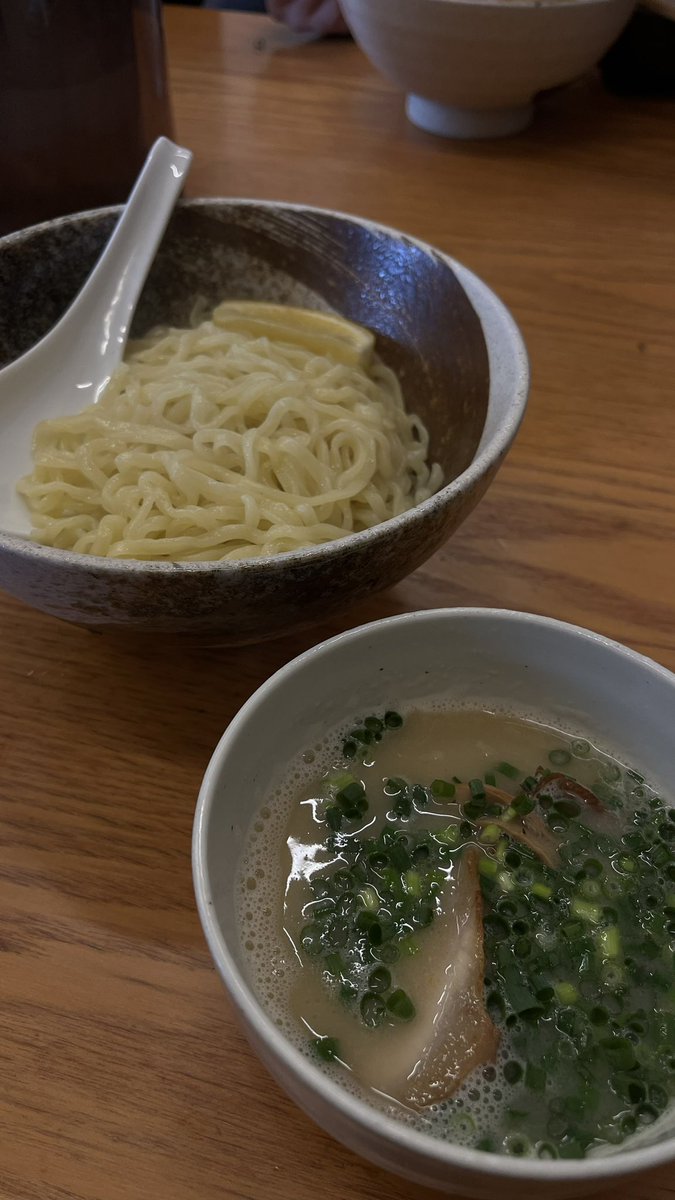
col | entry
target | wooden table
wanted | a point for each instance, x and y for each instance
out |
(124, 1074)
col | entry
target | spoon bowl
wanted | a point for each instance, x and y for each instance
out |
(69, 368)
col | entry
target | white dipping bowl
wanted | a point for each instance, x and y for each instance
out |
(472, 68)
(591, 685)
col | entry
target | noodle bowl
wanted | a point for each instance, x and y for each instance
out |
(260, 431)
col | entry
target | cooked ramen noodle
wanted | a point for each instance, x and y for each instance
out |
(262, 430)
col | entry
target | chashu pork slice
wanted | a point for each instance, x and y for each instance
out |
(451, 1033)
(531, 829)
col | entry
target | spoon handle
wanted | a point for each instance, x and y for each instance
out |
(104, 307)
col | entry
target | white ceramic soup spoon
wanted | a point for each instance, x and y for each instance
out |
(69, 368)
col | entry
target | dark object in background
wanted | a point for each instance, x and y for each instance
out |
(642, 62)
(83, 95)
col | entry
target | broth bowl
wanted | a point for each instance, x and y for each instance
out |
(531, 665)
(455, 347)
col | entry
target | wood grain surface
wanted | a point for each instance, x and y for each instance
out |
(124, 1073)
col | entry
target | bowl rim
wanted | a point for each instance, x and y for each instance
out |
(533, 4)
(488, 453)
(385, 1129)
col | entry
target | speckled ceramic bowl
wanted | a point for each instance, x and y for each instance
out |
(479, 658)
(455, 347)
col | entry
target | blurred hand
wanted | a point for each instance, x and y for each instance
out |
(308, 16)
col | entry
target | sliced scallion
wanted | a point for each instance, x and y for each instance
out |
(400, 1005)
(327, 1049)
(442, 788)
(506, 768)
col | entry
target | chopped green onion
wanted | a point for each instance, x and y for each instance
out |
(394, 787)
(349, 748)
(310, 940)
(546, 1150)
(609, 941)
(393, 720)
(519, 996)
(369, 897)
(441, 787)
(542, 890)
(328, 1049)
(363, 736)
(509, 814)
(334, 964)
(373, 1009)
(400, 1005)
(490, 835)
(403, 806)
(412, 883)
(378, 860)
(379, 980)
(522, 805)
(586, 910)
(566, 992)
(496, 925)
(374, 724)
(477, 789)
(599, 1015)
(490, 779)
(333, 817)
(512, 1071)
(495, 1006)
(473, 809)
(488, 867)
(353, 793)
(559, 758)
(507, 769)
(389, 953)
(659, 855)
(340, 779)
(486, 1144)
(613, 976)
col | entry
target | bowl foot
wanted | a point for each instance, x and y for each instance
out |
(451, 122)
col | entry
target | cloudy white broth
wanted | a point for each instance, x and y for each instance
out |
(468, 919)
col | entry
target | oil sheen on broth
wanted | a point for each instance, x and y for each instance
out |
(469, 918)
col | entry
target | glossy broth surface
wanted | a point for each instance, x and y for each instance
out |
(359, 916)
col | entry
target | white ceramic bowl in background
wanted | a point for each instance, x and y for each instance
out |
(592, 685)
(472, 68)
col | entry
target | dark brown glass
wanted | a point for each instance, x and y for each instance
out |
(83, 95)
